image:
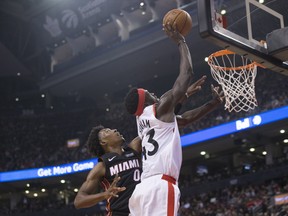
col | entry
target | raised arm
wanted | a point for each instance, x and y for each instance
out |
(168, 101)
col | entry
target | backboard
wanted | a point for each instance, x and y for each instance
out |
(244, 27)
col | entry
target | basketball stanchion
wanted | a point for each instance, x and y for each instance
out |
(236, 75)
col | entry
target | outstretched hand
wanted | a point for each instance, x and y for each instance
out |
(217, 93)
(173, 33)
(195, 87)
(113, 190)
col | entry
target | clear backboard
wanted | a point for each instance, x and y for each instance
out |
(247, 27)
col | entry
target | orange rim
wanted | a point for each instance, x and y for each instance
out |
(228, 52)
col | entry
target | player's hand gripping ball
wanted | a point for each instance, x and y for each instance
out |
(179, 18)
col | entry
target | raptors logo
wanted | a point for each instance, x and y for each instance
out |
(70, 19)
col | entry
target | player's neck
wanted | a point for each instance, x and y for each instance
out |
(119, 150)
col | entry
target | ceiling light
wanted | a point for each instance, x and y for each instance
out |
(62, 181)
(43, 190)
(264, 153)
(18, 74)
(285, 140)
(42, 95)
(261, 1)
(75, 190)
(27, 185)
(202, 152)
(282, 131)
(223, 12)
(27, 191)
(35, 194)
(16, 99)
(252, 149)
(206, 59)
(141, 4)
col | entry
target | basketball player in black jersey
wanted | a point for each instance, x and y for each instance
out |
(118, 170)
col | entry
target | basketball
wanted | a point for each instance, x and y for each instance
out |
(182, 18)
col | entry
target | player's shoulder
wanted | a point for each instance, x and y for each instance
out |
(128, 149)
(97, 171)
(134, 145)
(105, 156)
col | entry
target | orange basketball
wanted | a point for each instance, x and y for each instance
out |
(182, 18)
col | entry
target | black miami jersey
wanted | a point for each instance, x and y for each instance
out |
(128, 167)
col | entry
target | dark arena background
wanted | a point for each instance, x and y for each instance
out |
(67, 65)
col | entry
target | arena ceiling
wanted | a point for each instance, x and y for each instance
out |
(149, 59)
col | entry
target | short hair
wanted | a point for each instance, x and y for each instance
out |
(131, 101)
(93, 142)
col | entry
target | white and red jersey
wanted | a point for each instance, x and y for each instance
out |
(161, 145)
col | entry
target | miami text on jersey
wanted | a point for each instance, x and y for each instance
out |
(130, 164)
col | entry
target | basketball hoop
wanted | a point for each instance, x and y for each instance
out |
(236, 75)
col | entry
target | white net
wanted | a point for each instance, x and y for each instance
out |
(236, 75)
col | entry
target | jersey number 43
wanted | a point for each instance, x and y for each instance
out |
(155, 144)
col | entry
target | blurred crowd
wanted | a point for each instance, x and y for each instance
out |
(253, 199)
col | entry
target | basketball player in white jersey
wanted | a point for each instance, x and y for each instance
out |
(158, 193)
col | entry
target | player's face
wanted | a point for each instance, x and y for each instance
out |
(112, 136)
